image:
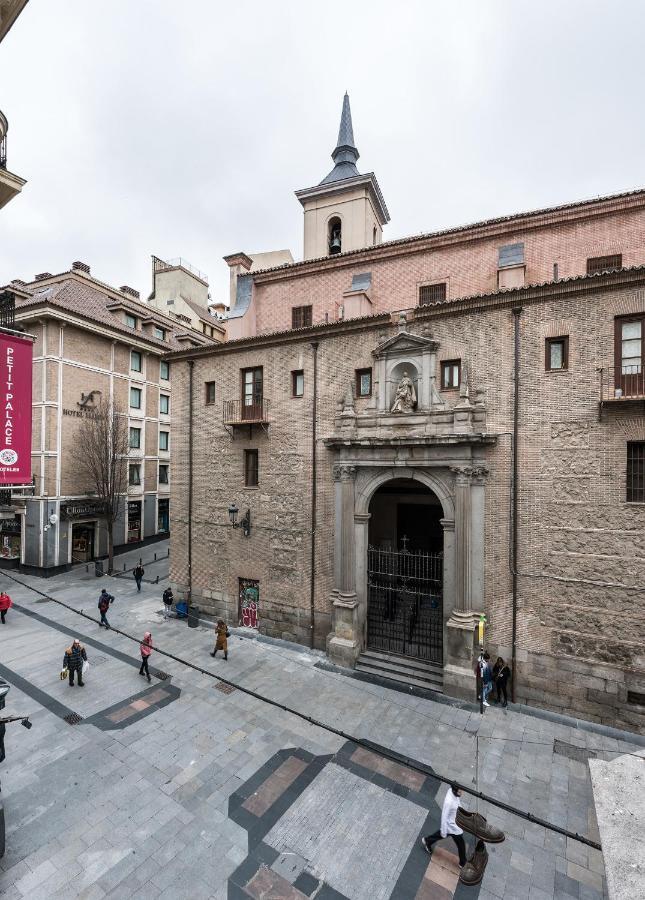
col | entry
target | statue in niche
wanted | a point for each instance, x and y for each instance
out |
(405, 398)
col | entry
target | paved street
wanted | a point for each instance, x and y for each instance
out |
(186, 788)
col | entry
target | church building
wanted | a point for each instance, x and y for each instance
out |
(402, 437)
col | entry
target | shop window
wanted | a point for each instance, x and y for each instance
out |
(135, 438)
(163, 516)
(450, 374)
(635, 472)
(164, 404)
(557, 354)
(135, 398)
(136, 361)
(164, 370)
(134, 521)
(297, 383)
(209, 387)
(301, 316)
(251, 474)
(134, 477)
(163, 473)
(363, 382)
(164, 440)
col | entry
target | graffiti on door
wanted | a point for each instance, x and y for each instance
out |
(249, 602)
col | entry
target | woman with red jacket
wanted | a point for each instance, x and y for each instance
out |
(5, 604)
(146, 649)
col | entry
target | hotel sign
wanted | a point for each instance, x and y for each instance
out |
(15, 397)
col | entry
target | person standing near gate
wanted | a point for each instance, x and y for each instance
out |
(138, 573)
(449, 827)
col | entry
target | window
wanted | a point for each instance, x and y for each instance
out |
(164, 371)
(297, 383)
(160, 333)
(363, 382)
(164, 404)
(163, 474)
(251, 468)
(135, 398)
(635, 472)
(210, 392)
(163, 440)
(450, 374)
(252, 393)
(301, 316)
(604, 263)
(557, 353)
(130, 321)
(134, 476)
(432, 293)
(630, 345)
(135, 438)
(136, 361)
(510, 255)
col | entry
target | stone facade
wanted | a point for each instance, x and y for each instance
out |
(581, 557)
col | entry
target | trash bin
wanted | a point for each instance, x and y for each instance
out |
(181, 609)
(193, 616)
(98, 567)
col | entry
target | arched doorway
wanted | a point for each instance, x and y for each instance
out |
(405, 571)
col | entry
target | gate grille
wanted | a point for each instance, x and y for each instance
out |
(405, 608)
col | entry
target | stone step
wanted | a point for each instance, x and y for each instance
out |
(405, 662)
(396, 669)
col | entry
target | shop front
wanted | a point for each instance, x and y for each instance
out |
(10, 541)
(82, 518)
(83, 541)
(134, 521)
(163, 516)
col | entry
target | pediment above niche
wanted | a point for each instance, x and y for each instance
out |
(405, 343)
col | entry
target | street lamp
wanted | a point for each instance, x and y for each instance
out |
(245, 524)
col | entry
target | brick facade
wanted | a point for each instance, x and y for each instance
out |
(574, 524)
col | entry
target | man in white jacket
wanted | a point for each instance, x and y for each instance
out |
(449, 825)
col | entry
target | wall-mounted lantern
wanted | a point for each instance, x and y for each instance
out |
(245, 524)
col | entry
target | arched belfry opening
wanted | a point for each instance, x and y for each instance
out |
(405, 571)
(335, 236)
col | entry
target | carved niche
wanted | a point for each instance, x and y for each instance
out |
(406, 374)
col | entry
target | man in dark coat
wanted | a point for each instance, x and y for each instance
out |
(138, 575)
(104, 604)
(73, 660)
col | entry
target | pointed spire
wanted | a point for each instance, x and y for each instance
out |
(345, 154)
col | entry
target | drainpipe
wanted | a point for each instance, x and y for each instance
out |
(517, 311)
(190, 482)
(312, 580)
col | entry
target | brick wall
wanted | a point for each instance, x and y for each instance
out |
(574, 523)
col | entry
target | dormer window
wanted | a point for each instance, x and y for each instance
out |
(160, 333)
(130, 321)
(335, 241)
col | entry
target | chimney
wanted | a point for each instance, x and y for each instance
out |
(42, 275)
(238, 263)
(18, 281)
(80, 267)
(128, 290)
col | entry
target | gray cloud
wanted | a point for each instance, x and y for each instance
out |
(150, 126)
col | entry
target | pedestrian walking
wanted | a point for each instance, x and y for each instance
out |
(168, 600)
(487, 678)
(221, 643)
(104, 604)
(73, 660)
(146, 649)
(449, 827)
(501, 674)
(5, 604)
(138, 573)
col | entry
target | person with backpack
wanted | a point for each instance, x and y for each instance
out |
(145, 649)
(104, 604)
(168, 600)
(138, 573)
(5, 604)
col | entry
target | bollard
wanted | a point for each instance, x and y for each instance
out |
(87, 568)
(157, 581)
(155, 557)
(124, 567)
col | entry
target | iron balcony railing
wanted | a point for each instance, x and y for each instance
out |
(7, 310)
(620, 383)
(242, 412)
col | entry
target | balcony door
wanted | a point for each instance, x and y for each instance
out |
(252, 396)
(630, 375)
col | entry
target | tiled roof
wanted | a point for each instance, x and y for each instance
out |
(374, 251)
(84, 300)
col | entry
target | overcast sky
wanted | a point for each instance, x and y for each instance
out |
(183, 128)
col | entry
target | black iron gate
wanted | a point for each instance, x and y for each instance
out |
(404, 604)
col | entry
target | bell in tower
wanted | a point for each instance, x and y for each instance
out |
(335, 245)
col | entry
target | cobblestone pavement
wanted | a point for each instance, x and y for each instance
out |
(183, 789)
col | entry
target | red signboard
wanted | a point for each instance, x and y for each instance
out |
(15, 409)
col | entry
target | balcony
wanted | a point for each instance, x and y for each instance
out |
(621, 385)
(239, 413)
(10, 184)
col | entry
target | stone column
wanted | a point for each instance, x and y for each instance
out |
(343, 643)
(459, 676)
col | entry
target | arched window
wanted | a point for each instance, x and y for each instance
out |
(374, 235)
(334, 236)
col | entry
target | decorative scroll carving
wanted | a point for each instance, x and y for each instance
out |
(463, 474)
(344, 472)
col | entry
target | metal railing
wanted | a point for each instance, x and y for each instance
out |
(620, 383)
(7, 310)
(239, 412)
(159, 265)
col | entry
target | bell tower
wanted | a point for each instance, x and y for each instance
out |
(346, 211)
